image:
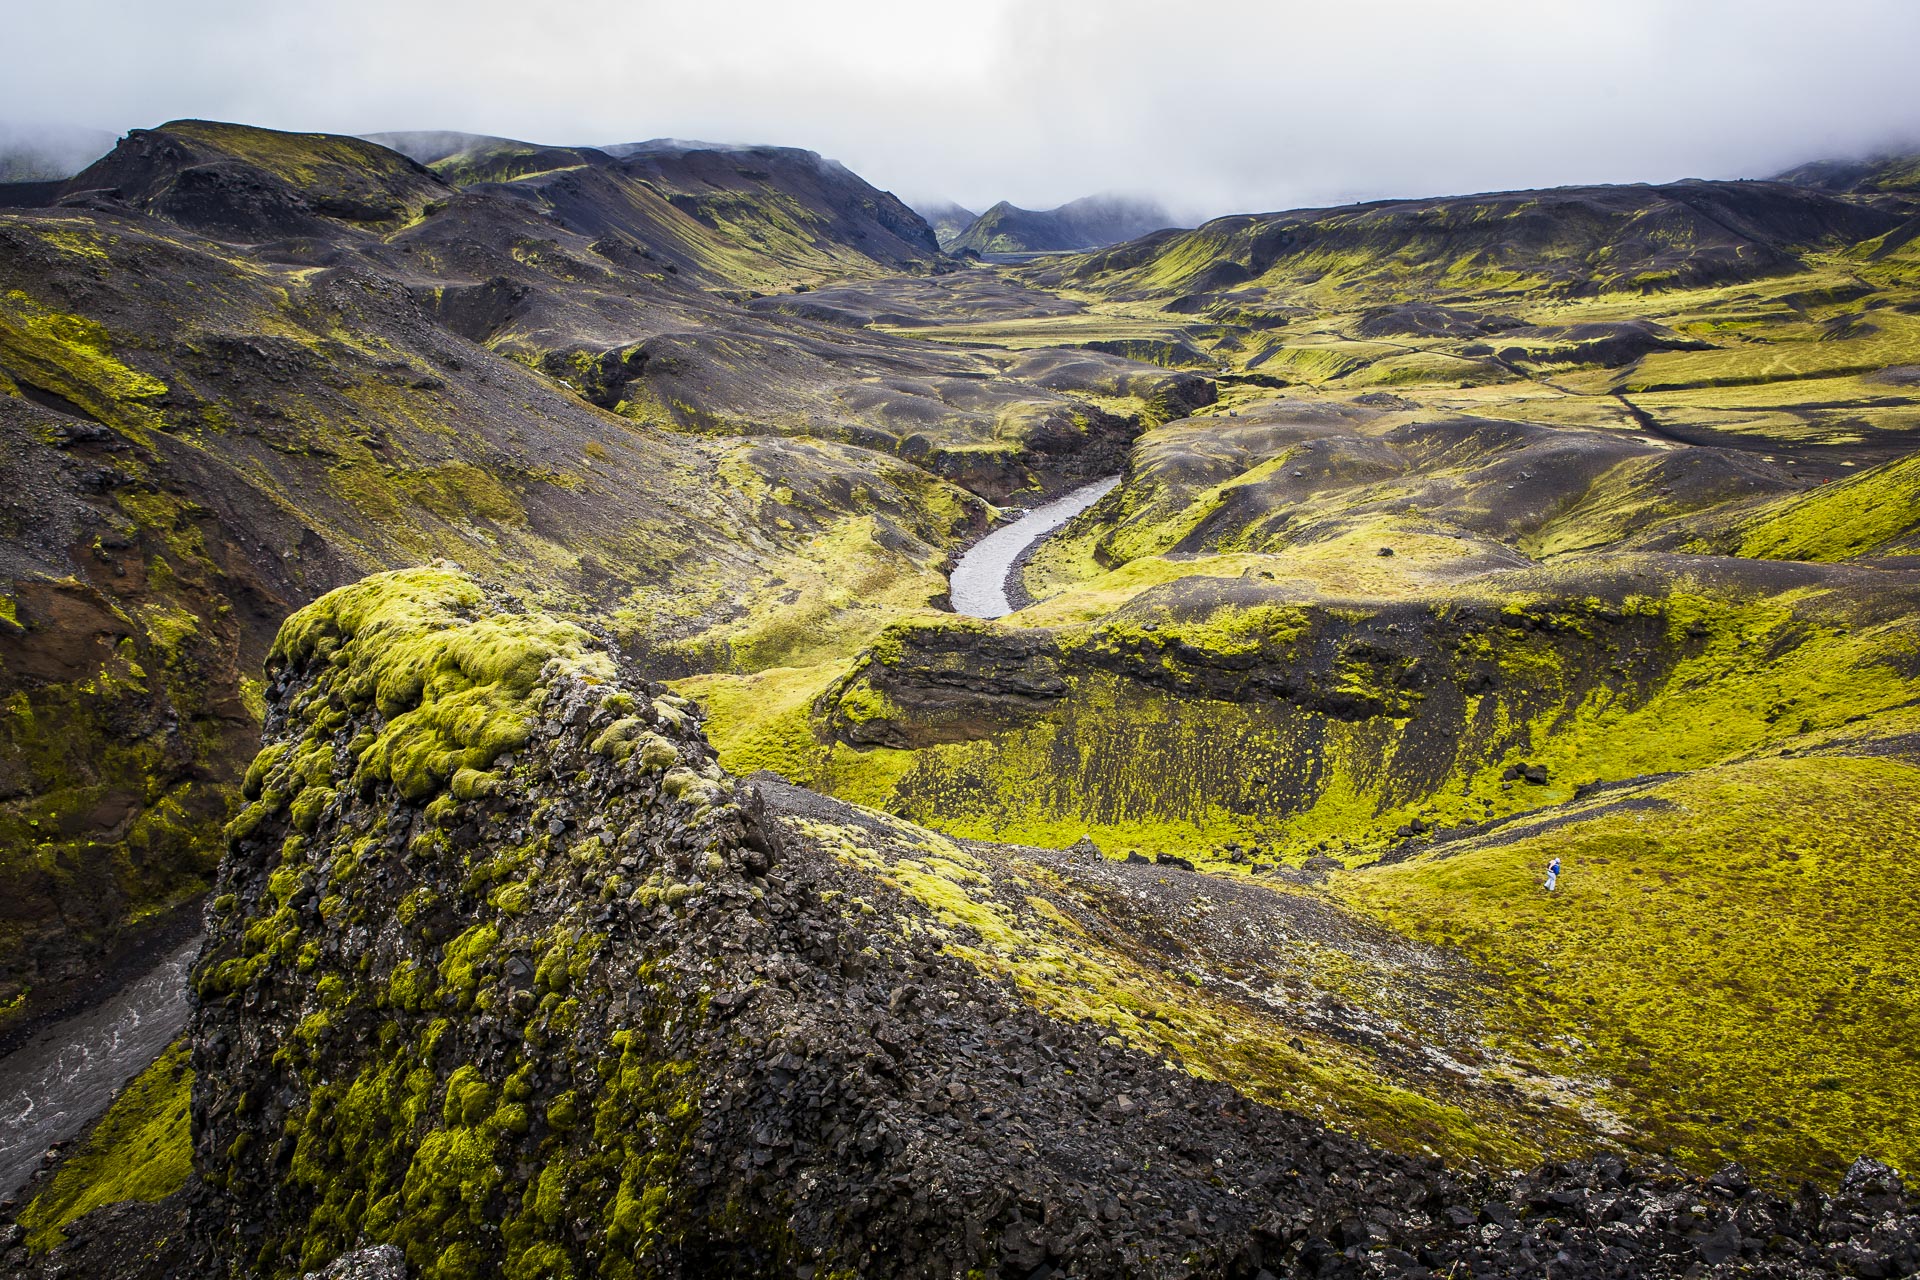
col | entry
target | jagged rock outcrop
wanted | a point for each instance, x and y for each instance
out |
(506, 972)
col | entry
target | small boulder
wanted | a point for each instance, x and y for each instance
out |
(1085, 849)
(382, 1262)
(1869, 1177)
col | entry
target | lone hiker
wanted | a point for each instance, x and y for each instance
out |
(1553, 874)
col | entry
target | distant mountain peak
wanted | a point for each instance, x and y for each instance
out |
(948, 220)
(1091, 222)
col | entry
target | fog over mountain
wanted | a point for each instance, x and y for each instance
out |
(1233, 105)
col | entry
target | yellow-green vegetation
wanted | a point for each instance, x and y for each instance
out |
(454, 688)
(141, 1149)
(452, 695)
(767, 720)
(75, 358)
(111, 822)
(1728, 949)
(1874, 512)
(1018, 922)
(1367, 733)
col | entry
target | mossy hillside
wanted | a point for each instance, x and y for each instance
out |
(1076, 958)
(1313, 480)
(110, 832)
(994, 426)
(141, 1149)
(366, 452)
(772, 720)
(866, 549)
(405, 882)
(1722, 949)
(1186, 721)
(1569, 240)
(1799, 348)
(75, 358)
(1872, 513)
(118, 712)
(328, 402)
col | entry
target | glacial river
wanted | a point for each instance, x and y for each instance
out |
(54, 1085)
(978, 584)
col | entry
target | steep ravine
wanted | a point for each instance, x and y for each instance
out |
(63, 1077)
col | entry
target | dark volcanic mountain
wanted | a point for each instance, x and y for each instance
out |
(947, 219)
(1569, 240)
(1899, 172)
(1087, 223)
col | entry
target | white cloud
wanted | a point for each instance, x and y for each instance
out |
(1210, 104)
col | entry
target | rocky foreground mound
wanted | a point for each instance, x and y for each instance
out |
(506, 972)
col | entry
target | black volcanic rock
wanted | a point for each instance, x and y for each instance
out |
(247, 185)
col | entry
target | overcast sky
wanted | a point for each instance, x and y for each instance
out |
(1212, 105)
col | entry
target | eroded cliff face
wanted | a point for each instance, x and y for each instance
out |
(505, 971)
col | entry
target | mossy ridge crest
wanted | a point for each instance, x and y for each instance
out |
(453, 688)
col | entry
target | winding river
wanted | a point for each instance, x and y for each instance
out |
(54, 1085)
(978, 584)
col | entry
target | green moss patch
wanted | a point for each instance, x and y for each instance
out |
(452, 696)
(141, 1149)
(1729, 950)
(1875, 511)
